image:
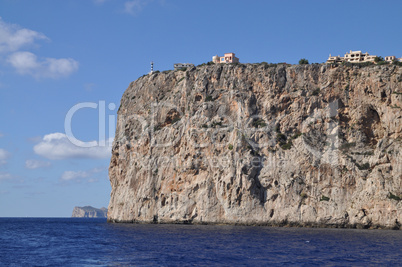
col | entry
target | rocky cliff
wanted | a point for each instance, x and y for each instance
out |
(306, 145)
(89, 212)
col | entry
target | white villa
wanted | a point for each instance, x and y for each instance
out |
(358, 57)
(227, 58)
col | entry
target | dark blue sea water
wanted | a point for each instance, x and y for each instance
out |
(86, 242)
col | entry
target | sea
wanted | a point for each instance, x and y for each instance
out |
(94, 242)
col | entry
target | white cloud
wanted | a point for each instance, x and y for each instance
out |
(89, 87)
(73, 175)
(5, 176)
(36, 164)
(13, 37)
(23, 61)
(133, 7)
(80, 175)
(99, 2)
(28, 63)
(57, 146)
(4, 155)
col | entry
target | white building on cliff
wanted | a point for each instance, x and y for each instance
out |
(227, 58)
(358, 57)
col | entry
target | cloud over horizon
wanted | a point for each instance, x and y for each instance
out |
(36, 164)
(78, 176)
(57, 146)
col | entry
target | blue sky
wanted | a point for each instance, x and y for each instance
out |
(55, 55)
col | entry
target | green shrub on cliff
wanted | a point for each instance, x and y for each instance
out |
(316, 92)
(397, 63)
(378, 59)
(364, 166)
(303, 61)
(259, 123)
(394, 197)
(287, 146)
(324, 198)
(209, 98)
(281, 139)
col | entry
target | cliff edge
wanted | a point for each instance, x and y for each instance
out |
(261, 144)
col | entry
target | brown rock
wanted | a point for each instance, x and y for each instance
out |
(260, 144)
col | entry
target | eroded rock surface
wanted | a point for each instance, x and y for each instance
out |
(261, 144)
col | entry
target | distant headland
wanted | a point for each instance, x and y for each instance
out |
(89, 212)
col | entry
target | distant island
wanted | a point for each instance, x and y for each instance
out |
(89, 212)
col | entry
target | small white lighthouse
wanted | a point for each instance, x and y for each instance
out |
(152, 67)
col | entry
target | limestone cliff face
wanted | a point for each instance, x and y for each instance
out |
(89, 212)
(261, 144)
